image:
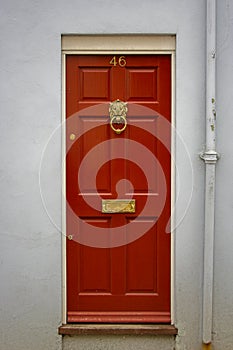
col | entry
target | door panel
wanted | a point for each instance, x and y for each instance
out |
(130, 282)
(90, 91)
(141, 84)
(137, 263)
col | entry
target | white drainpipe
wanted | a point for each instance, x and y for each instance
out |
(210, 156)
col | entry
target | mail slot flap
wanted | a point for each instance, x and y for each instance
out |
(118, 205)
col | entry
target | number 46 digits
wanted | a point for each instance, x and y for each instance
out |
(121, 61)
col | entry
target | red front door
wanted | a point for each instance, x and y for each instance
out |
(118, 263)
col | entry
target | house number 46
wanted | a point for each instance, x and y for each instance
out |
(121, 61)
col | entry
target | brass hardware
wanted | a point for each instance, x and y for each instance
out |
(72, 137)
(118, 131)
(118, 206)
(121, 61)
(70, 237)
(118, 111)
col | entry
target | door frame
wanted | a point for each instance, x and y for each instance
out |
(117, 44)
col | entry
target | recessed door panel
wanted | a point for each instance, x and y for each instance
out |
(99, 90)
(142, 84)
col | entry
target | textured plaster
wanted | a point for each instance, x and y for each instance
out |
(223, 265)
(30, 249)
(119, 343)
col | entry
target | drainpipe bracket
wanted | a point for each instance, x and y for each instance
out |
(210, 157)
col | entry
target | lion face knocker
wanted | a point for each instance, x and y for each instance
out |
(118, 111)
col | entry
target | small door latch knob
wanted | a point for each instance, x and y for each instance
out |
(72, 137)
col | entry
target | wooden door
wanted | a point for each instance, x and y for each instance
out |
(118, 264)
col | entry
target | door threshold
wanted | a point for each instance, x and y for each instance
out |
(115, 329)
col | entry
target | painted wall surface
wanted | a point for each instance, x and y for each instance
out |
(119, 342)
(30, 250)
(223, 264)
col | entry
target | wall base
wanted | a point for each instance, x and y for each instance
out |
(118, 342)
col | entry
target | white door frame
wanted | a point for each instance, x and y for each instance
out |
(116, 44)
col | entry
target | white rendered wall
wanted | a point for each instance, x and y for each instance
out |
(30, 256)
(223, 266)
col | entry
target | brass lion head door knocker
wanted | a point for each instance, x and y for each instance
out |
(117, 112)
